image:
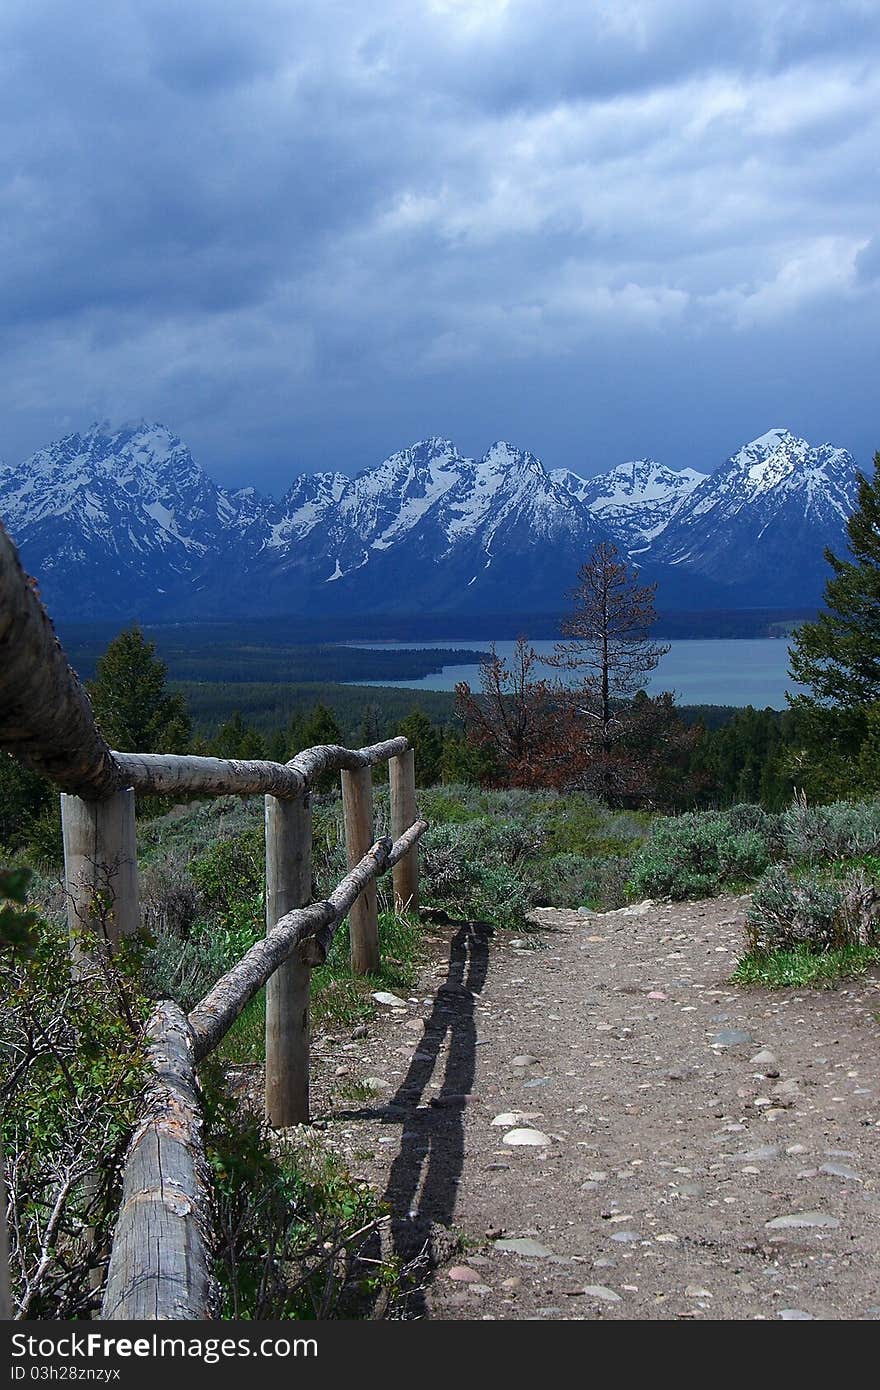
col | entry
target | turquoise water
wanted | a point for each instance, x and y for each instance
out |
(747, 671)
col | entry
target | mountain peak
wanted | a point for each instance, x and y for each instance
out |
(771, 440)
(502, 456)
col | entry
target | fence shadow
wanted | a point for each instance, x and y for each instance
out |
(422, 1188)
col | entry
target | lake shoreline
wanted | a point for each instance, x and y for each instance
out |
(733, 672)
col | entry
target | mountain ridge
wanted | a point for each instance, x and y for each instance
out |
(122, 521)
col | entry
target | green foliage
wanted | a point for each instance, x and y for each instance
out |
(24, 798)
(812, 909)
(802, 967)
(71, 1079)
(838, 656)
(843, 829)
(427, 743)
(466, 762)
(573, 880)
(552, 848)
(696, 855)
(17, 921)
(131, 703)
(261, 650)
(202, 921)
(235, 739)
(269, 707)
(474, 870)
(320, 725)
(291, 1221)
(745, 758)
(230, 873)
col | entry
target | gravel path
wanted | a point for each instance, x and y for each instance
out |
(692, 1150)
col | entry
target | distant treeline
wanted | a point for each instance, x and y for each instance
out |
(196, 655)
(267, 706)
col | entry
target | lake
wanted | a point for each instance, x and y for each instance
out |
(744, 671)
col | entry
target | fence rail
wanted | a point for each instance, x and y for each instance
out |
(159, 1266)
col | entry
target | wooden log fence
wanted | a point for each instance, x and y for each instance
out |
(160, 1259)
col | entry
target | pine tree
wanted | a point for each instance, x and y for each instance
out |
(837, 657)
(321, 726)
(427, 743)
(131, 701)
(513, 719)
(236, 739)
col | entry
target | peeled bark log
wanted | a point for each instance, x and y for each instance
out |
(180, 775)
(404, 810)
(159, 774)
(330, 757)
(357, 814)
(288, 886)
(100, 872)
(160, 1261)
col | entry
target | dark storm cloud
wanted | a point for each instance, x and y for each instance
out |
(304, 233)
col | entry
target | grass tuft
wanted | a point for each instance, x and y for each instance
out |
(802, 967)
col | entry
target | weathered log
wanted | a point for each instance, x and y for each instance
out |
(46, 718)
(159, 774)
(330, 757)
(100, 870)
(288, 886)
(402, 781)
(174, 774)
(214, 1015)
(363, 922)
(159, 1264)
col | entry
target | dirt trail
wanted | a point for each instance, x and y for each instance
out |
(680, 1178)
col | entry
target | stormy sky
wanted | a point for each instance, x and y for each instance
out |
(305, 234)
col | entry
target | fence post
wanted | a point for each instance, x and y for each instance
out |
(363, 919)
(288, 885)
(100, 869)
(402, 780)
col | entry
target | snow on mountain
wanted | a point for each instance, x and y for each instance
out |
(111, 518)
(765, 516)
(431, 527)
(635, 500)
(124, 522)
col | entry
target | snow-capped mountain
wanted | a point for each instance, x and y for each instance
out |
(635, 500)
(111, 519)
(763, 518)
(124, 523)
(431, 528)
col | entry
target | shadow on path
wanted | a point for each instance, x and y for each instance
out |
(423, 1183)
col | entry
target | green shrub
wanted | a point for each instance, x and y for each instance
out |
(696, 855)
(574, 880)
(467, 869)
(231, 871)
(291, 1223)
(70, 1084)
(745, 816)
(184, 968)
(802, 967)
(841, 830)
(811, 910)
